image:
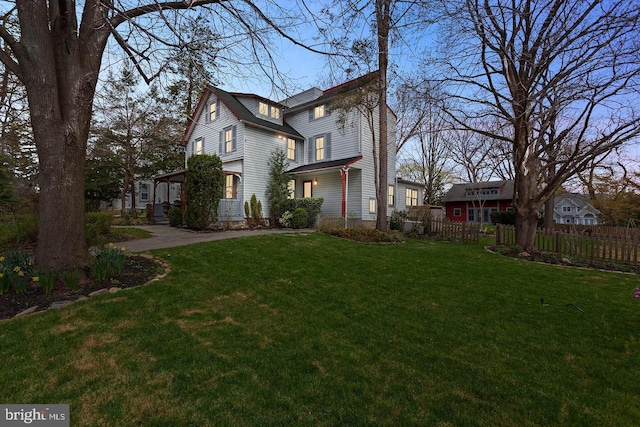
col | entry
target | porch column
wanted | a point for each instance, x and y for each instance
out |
(344, 172)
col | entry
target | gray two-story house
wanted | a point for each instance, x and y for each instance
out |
(328, 158)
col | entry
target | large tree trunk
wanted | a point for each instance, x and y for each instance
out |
(61, 240)
(383, 19)
(60, 73)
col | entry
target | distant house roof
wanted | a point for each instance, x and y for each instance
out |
(460, 192)
(331, 164)
(578, 200)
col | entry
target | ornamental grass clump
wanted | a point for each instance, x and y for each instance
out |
(46, 279)
(71, 280)
(109, 261)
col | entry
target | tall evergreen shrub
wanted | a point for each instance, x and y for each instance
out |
(278, 185)
(205, 183)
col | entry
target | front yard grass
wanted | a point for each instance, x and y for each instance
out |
(320, 331)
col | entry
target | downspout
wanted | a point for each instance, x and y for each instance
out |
(344, 172)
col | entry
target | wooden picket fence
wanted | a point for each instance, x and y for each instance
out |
(618, 246)
(445, 229)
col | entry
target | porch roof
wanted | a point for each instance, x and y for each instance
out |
(331, 164)
(180, 176)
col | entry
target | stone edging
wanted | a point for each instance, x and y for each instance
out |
(59, 304)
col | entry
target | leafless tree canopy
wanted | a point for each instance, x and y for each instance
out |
(562, 77)
(56, 49)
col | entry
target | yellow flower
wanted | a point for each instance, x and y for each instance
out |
(1, 275)
(1, 258)
(20, 273)
(35, 278)
(123, 249)
(111, 245)
(16, 268)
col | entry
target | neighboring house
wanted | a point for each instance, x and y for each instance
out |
(409, 194)
(473, 202)
(326, 160)
(573, 208)
(145, 191)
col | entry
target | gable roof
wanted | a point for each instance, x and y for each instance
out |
(458, 192)
(241, 112)
(335, 91)
(580, 201)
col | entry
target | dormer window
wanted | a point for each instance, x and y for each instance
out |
(263, 108)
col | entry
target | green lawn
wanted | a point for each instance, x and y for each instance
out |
(310, 330)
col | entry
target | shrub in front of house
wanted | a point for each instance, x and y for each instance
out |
(311, 205)
(299, 218)
(205, 182)
(398, 219)
(503, 217)
(175, 216)
(98, 225)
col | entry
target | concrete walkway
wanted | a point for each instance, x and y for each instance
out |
(170, 237)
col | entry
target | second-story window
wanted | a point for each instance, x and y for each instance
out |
(291, 149)
(275, 112)
(319, 111)
(228, 140)
(319, 148)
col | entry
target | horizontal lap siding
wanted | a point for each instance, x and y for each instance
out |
(259, 147)
(210, 131)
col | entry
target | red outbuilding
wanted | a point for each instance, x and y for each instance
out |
(472, 202)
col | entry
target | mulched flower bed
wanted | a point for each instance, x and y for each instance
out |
(138, 271)
(557, 259)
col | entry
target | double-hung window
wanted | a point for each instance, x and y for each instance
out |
(411, 197)
(228, 140)
(291, 149)
(318, 112)
(268, 110)
(144, 192)
(391, 196)
(213, 110)
(230, 187)
(320, 148)
(198, 146)
(372, 205)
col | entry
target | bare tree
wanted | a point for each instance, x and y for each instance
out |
(368, 29)
(56, 51)
(423, 137)
(473, 154)
(538, 64)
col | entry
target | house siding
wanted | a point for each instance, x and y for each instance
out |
(256, 141)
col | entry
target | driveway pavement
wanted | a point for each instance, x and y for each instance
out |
(170, 237)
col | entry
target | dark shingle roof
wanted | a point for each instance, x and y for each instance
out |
(243, 113)
(457, 193)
